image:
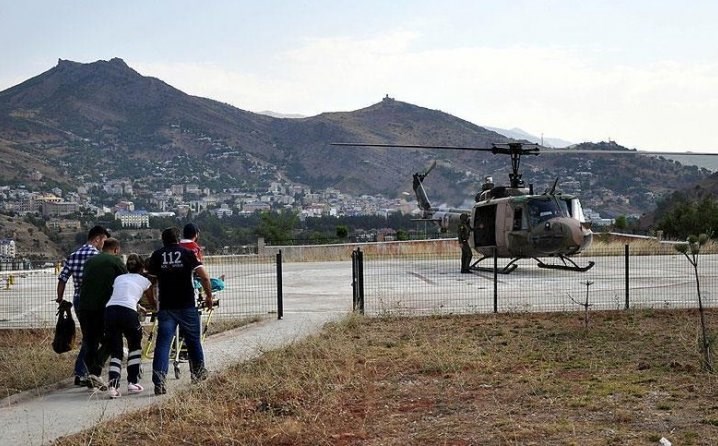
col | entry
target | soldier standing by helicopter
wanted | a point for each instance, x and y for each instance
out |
(464, 234)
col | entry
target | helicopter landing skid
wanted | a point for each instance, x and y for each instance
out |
(565, 266)
(508, 269)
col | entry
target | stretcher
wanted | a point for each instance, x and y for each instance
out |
(178, 349)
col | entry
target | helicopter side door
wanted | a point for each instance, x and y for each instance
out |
(484, 225)
(517, 234)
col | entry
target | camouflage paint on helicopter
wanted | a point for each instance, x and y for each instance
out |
(516, 224)
(512, 221)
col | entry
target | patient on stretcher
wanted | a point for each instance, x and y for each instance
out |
(217, 283)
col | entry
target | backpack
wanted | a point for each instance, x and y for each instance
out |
(64, 329)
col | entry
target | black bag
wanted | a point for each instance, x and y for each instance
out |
(64, 329)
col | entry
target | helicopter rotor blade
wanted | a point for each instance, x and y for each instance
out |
(526, 149)
(621, 152)
(413, 146)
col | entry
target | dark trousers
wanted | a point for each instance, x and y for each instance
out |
(466, 256)
(122, 321)
(92, 325)
(80, 367)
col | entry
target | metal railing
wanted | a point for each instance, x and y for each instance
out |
(253, 287)
(431, 283)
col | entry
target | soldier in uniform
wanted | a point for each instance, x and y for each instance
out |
(464, 234)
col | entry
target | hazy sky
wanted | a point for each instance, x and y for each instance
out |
(642, 73)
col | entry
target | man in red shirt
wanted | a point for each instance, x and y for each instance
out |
(190, 234)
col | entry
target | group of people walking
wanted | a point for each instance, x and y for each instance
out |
(106, 299)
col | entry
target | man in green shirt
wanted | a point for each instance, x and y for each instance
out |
(98, 276)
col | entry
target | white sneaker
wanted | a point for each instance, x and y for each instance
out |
(134, 388)
(113, 392)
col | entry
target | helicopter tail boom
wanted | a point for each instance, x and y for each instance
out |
(444, 218)
(421, 198)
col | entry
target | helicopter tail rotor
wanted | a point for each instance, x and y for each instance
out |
(426, 172)
(421, 198)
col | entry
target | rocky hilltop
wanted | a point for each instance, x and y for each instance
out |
(78, 123)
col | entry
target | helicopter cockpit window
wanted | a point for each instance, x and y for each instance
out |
(575, 210)
(543, 209)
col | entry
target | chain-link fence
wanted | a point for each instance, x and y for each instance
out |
(415, 278)
(252, 288)
(431, 283)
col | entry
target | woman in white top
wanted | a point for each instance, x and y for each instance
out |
(121, 319)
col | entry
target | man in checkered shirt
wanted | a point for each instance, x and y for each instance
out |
(73, 266)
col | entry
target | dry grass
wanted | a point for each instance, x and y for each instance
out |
(603, 245)
(27, 360)
(630, 378)
(343, 252)
(220, 325)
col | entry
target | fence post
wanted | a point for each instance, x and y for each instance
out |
(358, 281)
(280, 300)
(496, 281)
(627, 275)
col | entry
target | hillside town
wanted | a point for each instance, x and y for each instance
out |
(61, 210)
(180, 199)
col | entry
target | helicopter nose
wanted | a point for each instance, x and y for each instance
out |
(559, 236)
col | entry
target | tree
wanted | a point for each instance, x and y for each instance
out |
(690, 250)
(621, 223)
(689, 217)
(277, 226)
(342, 231)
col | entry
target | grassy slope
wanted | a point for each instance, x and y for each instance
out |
(630, 378)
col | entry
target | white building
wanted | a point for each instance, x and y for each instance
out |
(222, 211)
(7, 248)
(256, 206)
(135, 219)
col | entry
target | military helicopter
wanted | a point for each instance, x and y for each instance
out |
(515, 222)
(512, 221)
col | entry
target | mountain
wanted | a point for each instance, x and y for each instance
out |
(77, 115)
(518, 134)
(88, 123)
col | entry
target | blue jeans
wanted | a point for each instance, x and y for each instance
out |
(190, 324)
(80, 366)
